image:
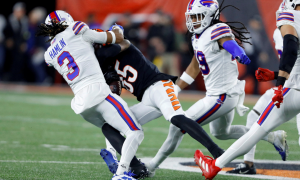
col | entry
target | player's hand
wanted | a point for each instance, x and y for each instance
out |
(278, 96)
(263, 75)
(116, 26)
(243, 59)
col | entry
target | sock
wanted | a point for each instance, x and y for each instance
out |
(298, 126)
(242, 145)
(169, 146)
(116, 140)
(129, 148)
(197, 132)
(110, 148)
(251, 119)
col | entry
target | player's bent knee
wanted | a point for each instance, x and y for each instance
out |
(138, 135)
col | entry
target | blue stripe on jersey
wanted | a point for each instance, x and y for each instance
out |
(285, 18)
(223, 27)
(79, 29)
(75, 25)
(219, 34)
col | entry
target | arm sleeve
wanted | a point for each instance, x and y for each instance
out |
(233, 48)
(111, 50)
(94, 36)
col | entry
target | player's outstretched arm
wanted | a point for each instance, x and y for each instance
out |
(189, 75)
(287, 61)
(234, 49)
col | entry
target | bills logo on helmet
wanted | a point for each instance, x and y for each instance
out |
(208, 3)
(191, 4)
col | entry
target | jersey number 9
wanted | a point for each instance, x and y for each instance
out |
(202, 63)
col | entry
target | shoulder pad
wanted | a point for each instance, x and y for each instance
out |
(78, 27)
(220, 30)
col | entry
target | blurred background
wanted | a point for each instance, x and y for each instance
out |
(156, 27)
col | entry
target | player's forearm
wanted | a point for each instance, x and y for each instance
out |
(124, 44)
(189, 75)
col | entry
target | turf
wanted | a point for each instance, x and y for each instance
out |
(41, 128)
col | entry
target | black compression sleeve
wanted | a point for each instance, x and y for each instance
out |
(275, 75)
(289, 54)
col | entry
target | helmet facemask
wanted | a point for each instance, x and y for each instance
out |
(196, 23)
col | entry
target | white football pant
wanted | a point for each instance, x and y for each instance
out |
(271, 118)
(114, 111)
(253, 115)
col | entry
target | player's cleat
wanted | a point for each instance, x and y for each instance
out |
(243, 168)
(150, 170)
(207, 165)
(280, 144)
(126, 176)
(140, 171)
(110, 160)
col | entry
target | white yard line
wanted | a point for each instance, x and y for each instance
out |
(41, 100)
(173, 164)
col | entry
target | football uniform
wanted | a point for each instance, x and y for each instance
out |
(272, 117)
(143, 80)
(72, 54)
(224, 91)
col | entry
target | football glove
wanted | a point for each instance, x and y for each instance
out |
(116, 26)
(111, 76)
(263, 75)
(278, 96)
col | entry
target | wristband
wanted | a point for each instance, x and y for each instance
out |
(113, 37)
(187, 78)
(280, 81)
(275, 75)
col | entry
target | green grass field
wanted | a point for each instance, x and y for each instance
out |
(38, 130)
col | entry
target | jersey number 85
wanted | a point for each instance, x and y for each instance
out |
(130, 79)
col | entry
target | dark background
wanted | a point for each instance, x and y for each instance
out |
(6, 9)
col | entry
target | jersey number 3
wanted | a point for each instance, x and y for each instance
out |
(124, 74)
(72, 64)
(202, 62)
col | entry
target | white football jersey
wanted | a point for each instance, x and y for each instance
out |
(291, 17)
(278, 40)
(74, 58)
(218, 68)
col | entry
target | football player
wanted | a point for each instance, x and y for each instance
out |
(71, 53)
(153, 89)
(247, 167)
(284, 104)
(202, 112)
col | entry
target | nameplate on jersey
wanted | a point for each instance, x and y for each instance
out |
(57, 48)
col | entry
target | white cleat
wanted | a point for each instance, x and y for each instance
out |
(280, 144)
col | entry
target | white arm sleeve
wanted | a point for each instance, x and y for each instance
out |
(94, 36)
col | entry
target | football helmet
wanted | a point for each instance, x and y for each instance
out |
(291, 4)
(60, 16)
(204, 11)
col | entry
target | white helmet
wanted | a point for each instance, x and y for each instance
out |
(204, 11)
(60, 16)
(291, 4)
